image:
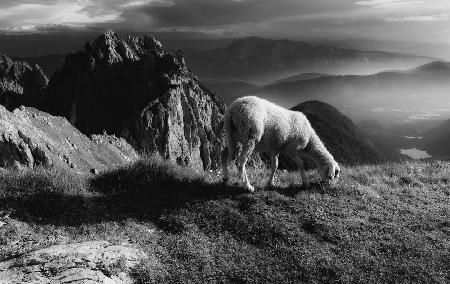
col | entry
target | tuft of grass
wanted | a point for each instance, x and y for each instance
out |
(384, 223)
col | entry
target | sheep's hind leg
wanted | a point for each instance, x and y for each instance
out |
(274, 164)
(301, 167)
(247, 150)
(227, 155)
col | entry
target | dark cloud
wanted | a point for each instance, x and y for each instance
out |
(217, 13)
(203, 19)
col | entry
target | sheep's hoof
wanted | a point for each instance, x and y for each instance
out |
(250, 188)
(226, 182)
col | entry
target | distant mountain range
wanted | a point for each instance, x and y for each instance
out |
(266, 60)
(229, 90)
(440, 50)
(49, 63)
(424, 87)
(301, 77)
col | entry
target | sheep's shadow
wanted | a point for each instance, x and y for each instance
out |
(311, 187)
(143, 191)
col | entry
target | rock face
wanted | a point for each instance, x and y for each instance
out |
(88, 262)
(19, 82)
(134, 89)
(29, 137)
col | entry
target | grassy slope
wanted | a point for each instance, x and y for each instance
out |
(378, 224)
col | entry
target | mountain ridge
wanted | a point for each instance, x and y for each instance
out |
(20, 83)
(426, 85)
(249, 57)
(135, 89)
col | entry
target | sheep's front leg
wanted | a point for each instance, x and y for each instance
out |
(274, 164)
(247, 150)
(301, 167)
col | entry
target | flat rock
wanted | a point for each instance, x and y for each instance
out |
(29, 138)
(87, 262)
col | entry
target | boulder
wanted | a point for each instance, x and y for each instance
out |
(29, 138)
(134, 89)
(20, 83)
(87, 262)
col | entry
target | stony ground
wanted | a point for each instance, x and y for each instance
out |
(379, 224)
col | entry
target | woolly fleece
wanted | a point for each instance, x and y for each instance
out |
(263, 126)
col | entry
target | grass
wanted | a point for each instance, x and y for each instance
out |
(379, 224)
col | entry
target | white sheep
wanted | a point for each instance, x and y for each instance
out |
(266, 127)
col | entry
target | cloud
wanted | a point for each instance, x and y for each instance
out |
(39, 15)
(31, 16)
(426, 18)
(298, 19)
(218, 13)
(389, 3)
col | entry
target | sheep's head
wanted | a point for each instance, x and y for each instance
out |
(330, 172)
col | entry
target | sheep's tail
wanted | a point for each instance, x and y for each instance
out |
(230, 128)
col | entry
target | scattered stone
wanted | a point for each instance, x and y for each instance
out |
(94, 171)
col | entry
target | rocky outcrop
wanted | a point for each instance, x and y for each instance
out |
(135, 89)
(19, 82)
(88, 262)
(29, 137)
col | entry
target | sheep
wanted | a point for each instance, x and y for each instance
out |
(262, 126)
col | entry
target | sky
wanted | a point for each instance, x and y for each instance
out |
(425, 21)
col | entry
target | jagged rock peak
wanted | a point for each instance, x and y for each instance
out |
(135, 89)
(111, 47)
(20, 83)
(16, 69)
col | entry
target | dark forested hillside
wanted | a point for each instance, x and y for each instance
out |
(436, 141)
(342, 138)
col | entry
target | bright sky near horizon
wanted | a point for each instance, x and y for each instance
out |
(408, 20)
